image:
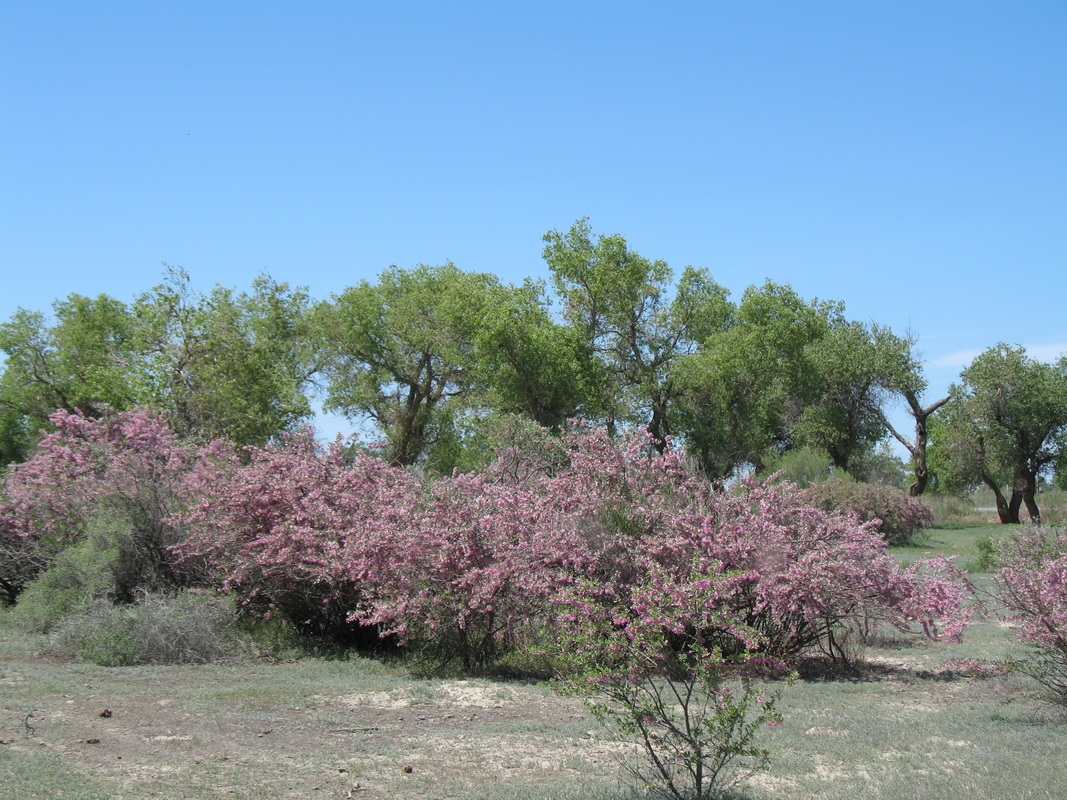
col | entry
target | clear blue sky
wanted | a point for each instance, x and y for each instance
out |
(907, 158)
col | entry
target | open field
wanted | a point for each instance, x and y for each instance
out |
(906, 727)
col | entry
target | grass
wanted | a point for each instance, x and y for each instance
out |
(321, 727)
(47, 776)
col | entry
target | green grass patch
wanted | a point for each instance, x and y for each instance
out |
(965, 543)
(29, 775)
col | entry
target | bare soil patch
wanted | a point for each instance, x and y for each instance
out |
(189, 732)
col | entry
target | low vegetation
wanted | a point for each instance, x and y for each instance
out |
(918, 717)
(898, 517)
(677, 610)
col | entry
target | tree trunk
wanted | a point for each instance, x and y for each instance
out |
(1029, 496)
(1014, 505)
(658, 427)
(917, 448)
(922, 437)
(839, 457)
(1003, 509)
(1030, 501)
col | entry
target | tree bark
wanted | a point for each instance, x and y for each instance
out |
(658, 426)
(1028, 482)
(1003, 507)
(917, 448)
(1014, 505)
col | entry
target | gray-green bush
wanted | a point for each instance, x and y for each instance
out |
(185, 628)
(80, 574)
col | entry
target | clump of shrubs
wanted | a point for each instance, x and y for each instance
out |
(898, 517)
(656, 580)
(78, 575)
(472, 566)
(1032, 577)
(467, 567)
(181, 628)
(120, 476)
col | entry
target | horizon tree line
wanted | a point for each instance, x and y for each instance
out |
(443, 362)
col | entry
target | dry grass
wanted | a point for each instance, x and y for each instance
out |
(905, 727)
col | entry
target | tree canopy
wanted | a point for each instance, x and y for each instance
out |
(441, 360)
(1005, 424)
(238, 365)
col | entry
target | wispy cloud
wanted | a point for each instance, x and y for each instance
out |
(1046, 352)
(956, 360)
(962, 358)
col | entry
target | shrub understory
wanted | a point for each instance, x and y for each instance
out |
(177, 629)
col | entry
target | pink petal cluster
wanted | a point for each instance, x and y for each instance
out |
(1033, 583)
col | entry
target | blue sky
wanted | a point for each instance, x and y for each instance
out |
(907, 158)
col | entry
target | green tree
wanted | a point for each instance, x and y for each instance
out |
(81, 361)
(1005, 423)
(959, 457)
(637, 327)
(526, 363)
(858, 369)
(787, 374)
(840, 408)
(744, 390)
(729, 407)
(226, 364)
(401, 351)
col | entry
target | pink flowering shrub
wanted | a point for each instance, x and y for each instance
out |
(295, 529)
(470, 565)
(127, 466)
(1032, 578)
(792, 574)
(895, 515)
(473, 573)
(463, 567)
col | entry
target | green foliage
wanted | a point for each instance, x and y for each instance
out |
(803, 466)
(731, 405)
(696, 727)
(111, 562)
(14, 437)
(854, 369)
(806, 466)
(399, 351)
(842, 402)
(83, 361)
(81, 574)
(789, 373)
(988, 546)
(158, 629)
(526, 363)
(1005, 425)
(880, 466)
(225, 364)
(430, 354)
(622, 307)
